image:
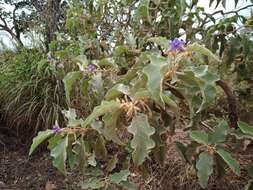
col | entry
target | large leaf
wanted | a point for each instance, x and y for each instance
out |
(141, 142)
(155, 72)
(69, 80)
(199, 136)
(204, 166)
(116, 91)
(41, 137)
(119, 176)
(204, 51)
(59, 154)
(245, 128)
(231, 162)
(110, 127)
(220, 132)
(105, 107)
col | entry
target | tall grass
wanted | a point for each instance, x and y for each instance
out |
(31, 94)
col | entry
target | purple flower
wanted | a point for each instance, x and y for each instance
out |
(56, 127)
(177, 45)
(91, 68)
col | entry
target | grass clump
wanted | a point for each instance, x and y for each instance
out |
(31, 91)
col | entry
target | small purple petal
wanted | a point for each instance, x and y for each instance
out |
(177, 45)
(56, 127)
(91, 68)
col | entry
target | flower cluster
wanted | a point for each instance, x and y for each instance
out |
(177, 45)
(91, 68)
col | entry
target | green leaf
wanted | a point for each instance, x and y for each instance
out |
(116, 91)
(69, 80)
(220, 133)
(155, 72)
(231, 162)
(199, 136)
(105, 107)
(204, 51)
(41, 137)
(141, 142)
(110, 127)
(59, 154)
(245, 128)
(204, 166)
(119, 176)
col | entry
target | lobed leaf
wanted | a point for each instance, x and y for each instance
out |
(141, 142)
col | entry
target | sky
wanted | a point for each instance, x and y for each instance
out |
(4, 37)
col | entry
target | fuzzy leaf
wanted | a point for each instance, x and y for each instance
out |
(59, 154)
(41, 137)
(245, 128)
(199, 136)
(204, 166)
(119, 176)
(105, 107)
(141, 142)
(154, 83)
(231, 162)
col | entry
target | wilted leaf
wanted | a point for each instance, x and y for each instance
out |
(141, 142)
(204, 166)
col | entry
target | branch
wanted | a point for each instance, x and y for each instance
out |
(232, 103)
